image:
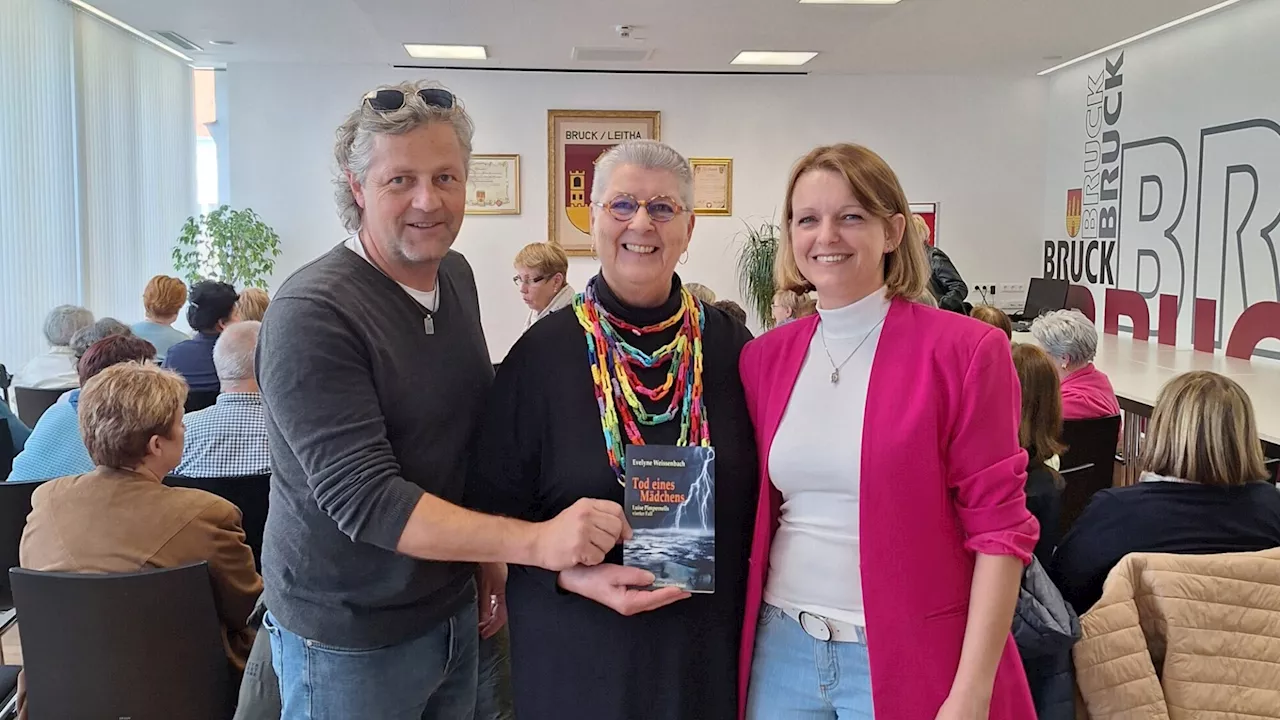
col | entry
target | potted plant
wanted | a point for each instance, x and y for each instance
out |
(755, 268)
(232, 246)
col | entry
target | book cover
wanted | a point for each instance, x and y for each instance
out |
(670, 504)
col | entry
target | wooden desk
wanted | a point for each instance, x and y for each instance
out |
(1139, 369)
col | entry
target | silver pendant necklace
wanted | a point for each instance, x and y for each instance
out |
(429, 313)
(835, 369)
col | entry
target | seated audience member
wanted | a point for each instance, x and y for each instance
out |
(55, 447)
(253, 304)
(541, 276)
(994, 317)
(1072, 341)
(18, 432)
(55, 369)
(102, 329)
(229, 439)
(790, 305)
(163, 297)
(945, 283)
(1040, 434)
(1199, 492)
(702, 292)
(733, 309)
(211, 309)
(120, 518)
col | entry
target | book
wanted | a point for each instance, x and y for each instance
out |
(670, 504)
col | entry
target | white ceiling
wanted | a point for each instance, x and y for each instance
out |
(915, 36)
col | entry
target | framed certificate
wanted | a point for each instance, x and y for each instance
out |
(712, 186)
(575, 140)
(493, 185)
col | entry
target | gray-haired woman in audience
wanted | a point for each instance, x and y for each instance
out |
(55, 369)
(1072, 341)
(100, 330)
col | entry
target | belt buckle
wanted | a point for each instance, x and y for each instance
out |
(822, 632)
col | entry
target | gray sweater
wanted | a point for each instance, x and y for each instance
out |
(365, 413)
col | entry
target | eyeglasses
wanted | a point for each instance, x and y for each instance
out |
(521, 282)
(391, 99)
(660, 208)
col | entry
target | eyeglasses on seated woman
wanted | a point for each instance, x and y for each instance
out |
(541, 276)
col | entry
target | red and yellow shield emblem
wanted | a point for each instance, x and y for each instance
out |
(1075, 204)
(579, 173)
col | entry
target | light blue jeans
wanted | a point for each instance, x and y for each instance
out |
(429, 678)
(795, 676)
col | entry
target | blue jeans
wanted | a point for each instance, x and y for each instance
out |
(493, 696)
(795, 676)
(429, 678)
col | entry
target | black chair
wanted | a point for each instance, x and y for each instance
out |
(6, 380)
(7, 451)
(144, 646)
(33, 403)
(200, 399)
(250, 493)
(1090, 460)
(15, 506)
(9, 691)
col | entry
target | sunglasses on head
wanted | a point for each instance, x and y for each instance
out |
(391, 99)
(660, 208)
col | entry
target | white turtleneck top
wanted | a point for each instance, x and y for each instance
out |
(816, 462)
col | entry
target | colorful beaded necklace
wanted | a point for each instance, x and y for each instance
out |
(613, 361)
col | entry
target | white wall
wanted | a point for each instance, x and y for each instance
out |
(974, 145)
(1178, 92)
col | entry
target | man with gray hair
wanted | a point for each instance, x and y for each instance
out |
(229, 438)
(55, 369)
(374, 368)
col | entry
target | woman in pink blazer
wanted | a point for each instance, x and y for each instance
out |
(892, 528)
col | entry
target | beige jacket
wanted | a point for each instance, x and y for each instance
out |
(1184, 637)
(116, 521)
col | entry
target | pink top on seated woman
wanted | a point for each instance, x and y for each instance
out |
(892, 528)
(1072, 341)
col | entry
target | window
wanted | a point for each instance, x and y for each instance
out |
(206, 108)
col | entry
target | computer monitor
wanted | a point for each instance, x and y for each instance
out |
(1044, 295)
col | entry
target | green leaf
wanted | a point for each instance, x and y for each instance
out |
(755, 268)
(234, 246)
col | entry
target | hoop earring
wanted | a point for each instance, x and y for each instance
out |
(684, 258)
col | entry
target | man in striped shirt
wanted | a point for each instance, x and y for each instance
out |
(229, 439)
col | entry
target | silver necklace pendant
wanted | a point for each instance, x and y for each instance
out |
(429, 325)
(835, 369)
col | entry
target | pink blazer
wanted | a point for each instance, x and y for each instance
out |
(942, 479)
(1087, 393)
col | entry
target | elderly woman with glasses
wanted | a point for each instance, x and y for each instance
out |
(637, 361)
(541, 276)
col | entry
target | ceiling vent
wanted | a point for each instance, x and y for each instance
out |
(623, 55)
(178, 41)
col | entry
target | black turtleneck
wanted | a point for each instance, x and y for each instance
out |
(540, 449)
